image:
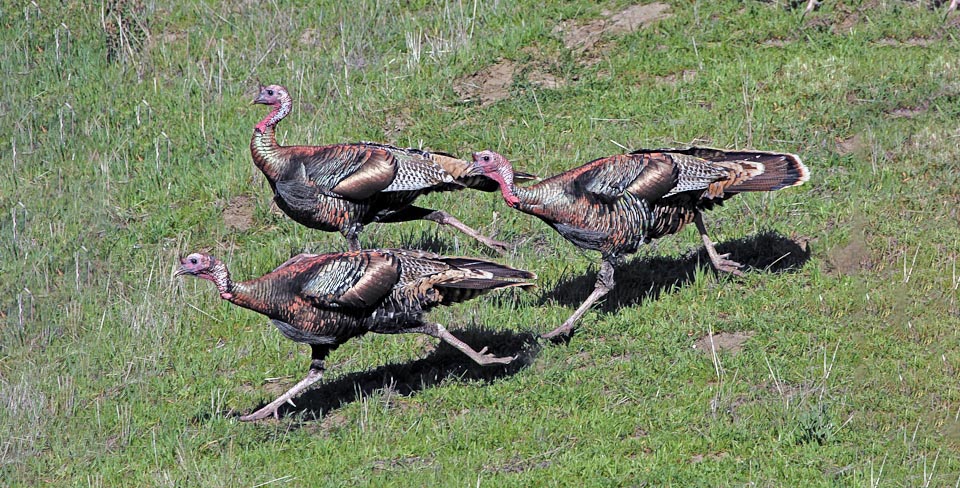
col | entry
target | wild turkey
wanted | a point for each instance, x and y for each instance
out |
(614, 204)
(342, 187)
(324, 300)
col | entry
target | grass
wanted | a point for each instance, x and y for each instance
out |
(128, 129)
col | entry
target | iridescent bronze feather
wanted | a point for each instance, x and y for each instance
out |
(324, 300)
(615, 204)
(343, 187)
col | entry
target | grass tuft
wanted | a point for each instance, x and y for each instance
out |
(832, 361)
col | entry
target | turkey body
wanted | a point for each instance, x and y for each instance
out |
(343, 187)
(615, 204)
(324, 300)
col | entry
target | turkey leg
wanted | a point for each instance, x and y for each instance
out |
(314, 375)
(482, 357)
(605, 283)
(443, 218)
(719, 261)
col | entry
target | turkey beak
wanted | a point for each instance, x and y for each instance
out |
(182, 270)
(259, 98)
(476, 161)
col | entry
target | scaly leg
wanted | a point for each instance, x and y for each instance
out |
(481, 357)
(443, 218)
(353, 241)
(950, 8)
(605, 283)
(719, 261)
(811, 4)
(314, 375)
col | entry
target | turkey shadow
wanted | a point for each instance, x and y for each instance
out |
(405, 379)
(645, 278)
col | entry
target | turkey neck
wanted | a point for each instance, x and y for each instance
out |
(255, 295)
(264, 148)
(531, 199)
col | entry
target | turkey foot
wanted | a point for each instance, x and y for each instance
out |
(481, 357)
(604, 284)
(719, 261)
(443, 218)
(271, 408)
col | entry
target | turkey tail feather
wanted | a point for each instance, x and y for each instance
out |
(463, 290)
(779, 171)
(496, 270)
(478, 277)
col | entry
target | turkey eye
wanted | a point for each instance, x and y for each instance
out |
(270, 92)
(486, 158)
(193, 260)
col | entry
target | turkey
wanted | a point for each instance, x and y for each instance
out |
(342, 187)
(325, 299)
(615, 204)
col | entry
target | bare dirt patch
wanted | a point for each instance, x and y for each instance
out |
(910, 112)
(713, 456)
(847, 24)
(674, 78)
(580, 37)
(239, 213)
(731, 342)
(544, 80)
(493, 83)
(584, 36)
(488, 85)
(911, 42)
(851, 145)
(636, 16)
(394, 125)
(852, 258)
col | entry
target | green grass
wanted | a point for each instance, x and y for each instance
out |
(114, 374)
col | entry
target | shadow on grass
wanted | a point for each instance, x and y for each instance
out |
(646, 278)
(405, 379)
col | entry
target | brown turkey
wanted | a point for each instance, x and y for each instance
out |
(324, 300)
(342, 187)
(615, 204)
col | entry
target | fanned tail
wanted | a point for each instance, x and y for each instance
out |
(779, 171)
(759, 170)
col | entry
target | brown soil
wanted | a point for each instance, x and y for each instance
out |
(851, 145)
(731, 342)
(488, 85)
(584, 36)
(492, 84)
(239, 213)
